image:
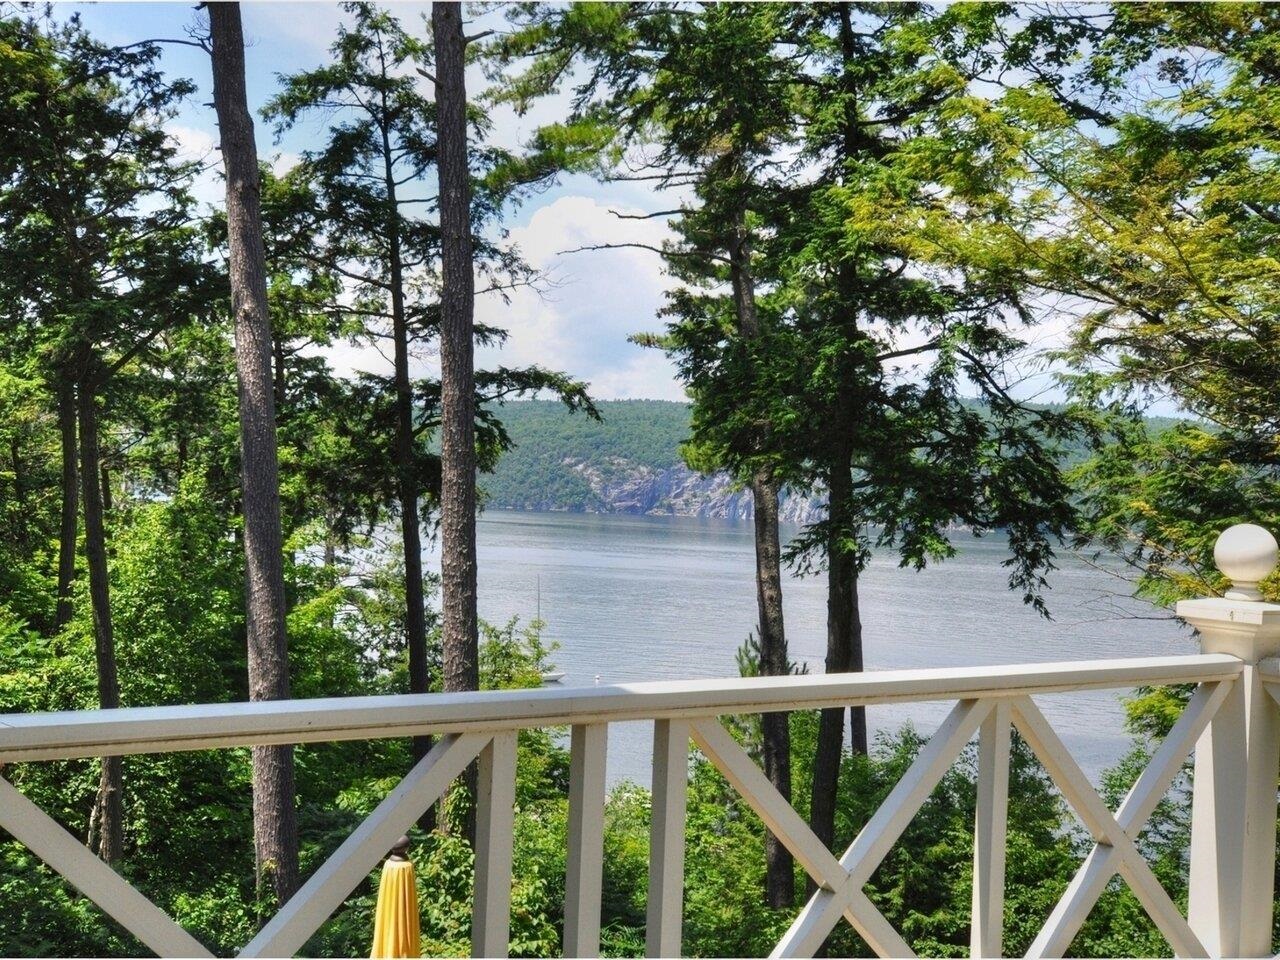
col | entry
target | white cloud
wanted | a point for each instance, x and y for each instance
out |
(192, 142)
(346, 359)
(579, 322)
(196, 145)
(284, 161)
(649, 375)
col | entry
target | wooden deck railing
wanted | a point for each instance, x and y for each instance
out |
(1231, 723)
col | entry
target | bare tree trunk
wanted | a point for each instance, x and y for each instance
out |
(109, 805)
(457, 372)
(858, 742)
(775, 728)
(844, 643)
(776, 732)
(70, 499)
(415, 619)
(274, 818)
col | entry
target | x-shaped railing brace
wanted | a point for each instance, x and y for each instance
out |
(323, 892)
(1115, 851)
(840, 881)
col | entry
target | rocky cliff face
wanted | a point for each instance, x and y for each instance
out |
(620, 486)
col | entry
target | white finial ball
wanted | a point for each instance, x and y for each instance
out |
(1245, 554)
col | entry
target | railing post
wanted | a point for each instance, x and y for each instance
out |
(665, 922)
(986, 937)
(1233, 813)
(585, 868)
(495, 822)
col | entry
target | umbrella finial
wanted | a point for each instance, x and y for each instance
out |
(400, 849)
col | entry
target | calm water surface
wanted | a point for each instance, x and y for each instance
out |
(656, 598)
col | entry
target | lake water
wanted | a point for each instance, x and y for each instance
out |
(654, 598)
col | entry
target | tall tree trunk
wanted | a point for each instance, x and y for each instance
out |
(415, 619)
(70, 499)
(776, 732)
(274, 818)
(775, 728)
(457, 372)
(858, 742)
(108, 815)
(844, 638)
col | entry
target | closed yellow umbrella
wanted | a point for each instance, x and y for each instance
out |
(396, 925)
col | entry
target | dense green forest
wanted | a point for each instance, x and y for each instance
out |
(880, 223)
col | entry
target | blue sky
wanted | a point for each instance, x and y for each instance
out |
(578, 322)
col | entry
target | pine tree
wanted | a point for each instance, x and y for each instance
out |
(366, 178)
(1159, 221)
(95, 266)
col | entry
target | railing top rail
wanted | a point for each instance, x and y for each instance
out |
(93, 733)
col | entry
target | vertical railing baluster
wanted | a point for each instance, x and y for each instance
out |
(987, 933)
(666, 839)
(584, 872)
(495, 820)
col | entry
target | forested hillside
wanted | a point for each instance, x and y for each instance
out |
(544, 469)
(629, 461)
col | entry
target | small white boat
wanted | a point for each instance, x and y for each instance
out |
(553, 676)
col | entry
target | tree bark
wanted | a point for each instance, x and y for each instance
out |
(457, 369)
(457, 373)
(274, 817)
(109, 813)
(68, 529)
(844, 642)
(775, 727)
(415, 620)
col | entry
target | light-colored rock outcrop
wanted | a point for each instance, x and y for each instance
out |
(620, 486)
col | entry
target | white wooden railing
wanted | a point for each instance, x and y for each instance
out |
(1231, 724)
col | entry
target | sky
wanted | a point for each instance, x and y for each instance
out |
(577, 322)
